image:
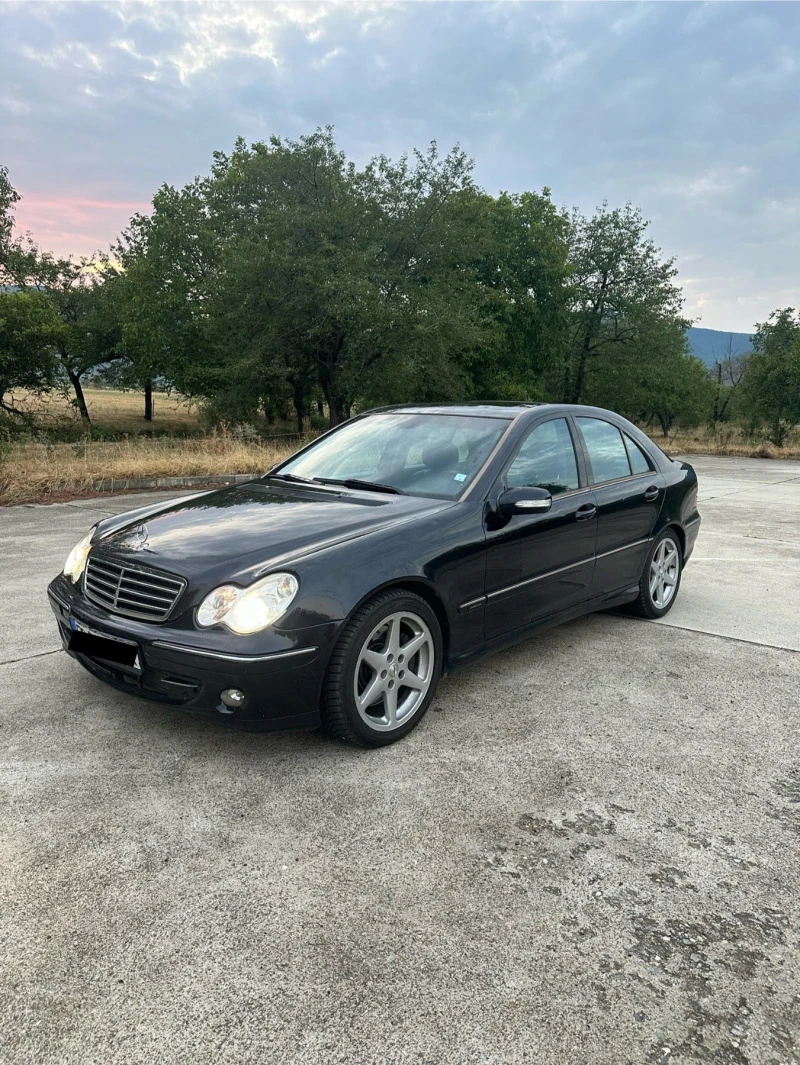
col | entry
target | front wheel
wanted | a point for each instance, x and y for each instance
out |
(661, 578)
(383, 671)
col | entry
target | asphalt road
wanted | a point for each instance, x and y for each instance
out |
(589, 852)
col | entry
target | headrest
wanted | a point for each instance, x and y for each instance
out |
(440, 456)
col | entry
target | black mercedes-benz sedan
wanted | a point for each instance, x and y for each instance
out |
(336, 589)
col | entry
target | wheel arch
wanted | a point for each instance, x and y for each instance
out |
(425, 591)
(674, 526)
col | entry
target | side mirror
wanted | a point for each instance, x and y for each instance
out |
(524, 501)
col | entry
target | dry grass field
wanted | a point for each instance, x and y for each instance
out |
(38, 470)
(726, 439)
(41, 472)
(112, 409)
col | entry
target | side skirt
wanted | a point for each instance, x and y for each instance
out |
(508, 639)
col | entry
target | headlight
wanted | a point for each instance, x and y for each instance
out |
(248, 610)
(76, 560)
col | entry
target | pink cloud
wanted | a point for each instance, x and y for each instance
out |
(74, 225)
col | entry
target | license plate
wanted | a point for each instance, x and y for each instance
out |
(86, 641)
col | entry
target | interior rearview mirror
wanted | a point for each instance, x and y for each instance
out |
(524, 501)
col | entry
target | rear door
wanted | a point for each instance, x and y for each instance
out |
(540, 564)
(629, 493)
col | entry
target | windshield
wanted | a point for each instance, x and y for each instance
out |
(420, 454)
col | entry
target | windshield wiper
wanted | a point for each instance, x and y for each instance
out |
(292, 477)
(356, 482)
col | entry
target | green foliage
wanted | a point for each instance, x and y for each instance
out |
(288, 278)
(622, 295)
(771, 381)
(30, 331)
(655, 379)
(8, 198)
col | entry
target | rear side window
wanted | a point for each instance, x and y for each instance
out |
(639, 461)
(545, 460)
(607, 453)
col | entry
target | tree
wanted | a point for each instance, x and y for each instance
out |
(521, 273)
(619, 285)
(8, 198)
(16, 256)
(727, 373)
(90, 336)
(772, 378)
(654, 379)
(358, 284)
(30, 331)
(73, 291)
(158, 297)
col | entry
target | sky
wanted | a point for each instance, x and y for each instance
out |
(691, 111)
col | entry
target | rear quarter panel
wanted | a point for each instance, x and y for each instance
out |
(680, 503)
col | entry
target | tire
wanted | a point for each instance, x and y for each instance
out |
(364, 699)
(664, 560)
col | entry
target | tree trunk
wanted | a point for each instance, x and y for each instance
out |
(336, 408)
(320, 408)
(299, 400)
(577, 385)
(328, 365)
(335, 401)
(666, 421)
(80, 399)
(148, 401)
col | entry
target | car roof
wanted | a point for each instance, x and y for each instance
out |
(476, 409)
(483, 408)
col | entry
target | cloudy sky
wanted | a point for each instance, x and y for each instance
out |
(689, 110)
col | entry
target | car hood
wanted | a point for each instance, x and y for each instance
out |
(238, 533)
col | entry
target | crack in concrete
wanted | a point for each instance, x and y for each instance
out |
(27, 658)
(724, 636)
(101, 510)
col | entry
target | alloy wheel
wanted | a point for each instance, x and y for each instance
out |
(664, 570)
(394, 671)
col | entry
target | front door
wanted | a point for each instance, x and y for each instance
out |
(629, 495)
(540, 564)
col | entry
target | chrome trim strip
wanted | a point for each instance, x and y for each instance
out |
(552, 573)
(470, 603)
(627, 547)
(628, 477)
(541, 577)
(555, 572)
(61, 602)
(233, 658)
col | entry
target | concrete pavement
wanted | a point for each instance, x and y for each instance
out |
(589, 851)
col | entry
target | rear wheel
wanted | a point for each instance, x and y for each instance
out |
(383, 671)
(661, 578)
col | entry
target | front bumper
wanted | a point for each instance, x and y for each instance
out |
(282, 688)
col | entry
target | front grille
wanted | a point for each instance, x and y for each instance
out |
(129, 590)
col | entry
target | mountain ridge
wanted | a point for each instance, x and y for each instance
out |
(708, 345)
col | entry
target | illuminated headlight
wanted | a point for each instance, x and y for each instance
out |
(248, 610)
(76, 561)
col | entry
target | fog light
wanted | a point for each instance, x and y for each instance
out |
(232, 697)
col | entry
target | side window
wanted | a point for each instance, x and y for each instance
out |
(639, 461)
(545, 460)
(606, 449)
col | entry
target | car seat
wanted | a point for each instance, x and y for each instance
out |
(441, 465)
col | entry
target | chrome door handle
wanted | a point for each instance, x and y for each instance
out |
(588, 510)
(651, 493)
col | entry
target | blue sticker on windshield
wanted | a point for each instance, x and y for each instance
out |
(460, 477)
